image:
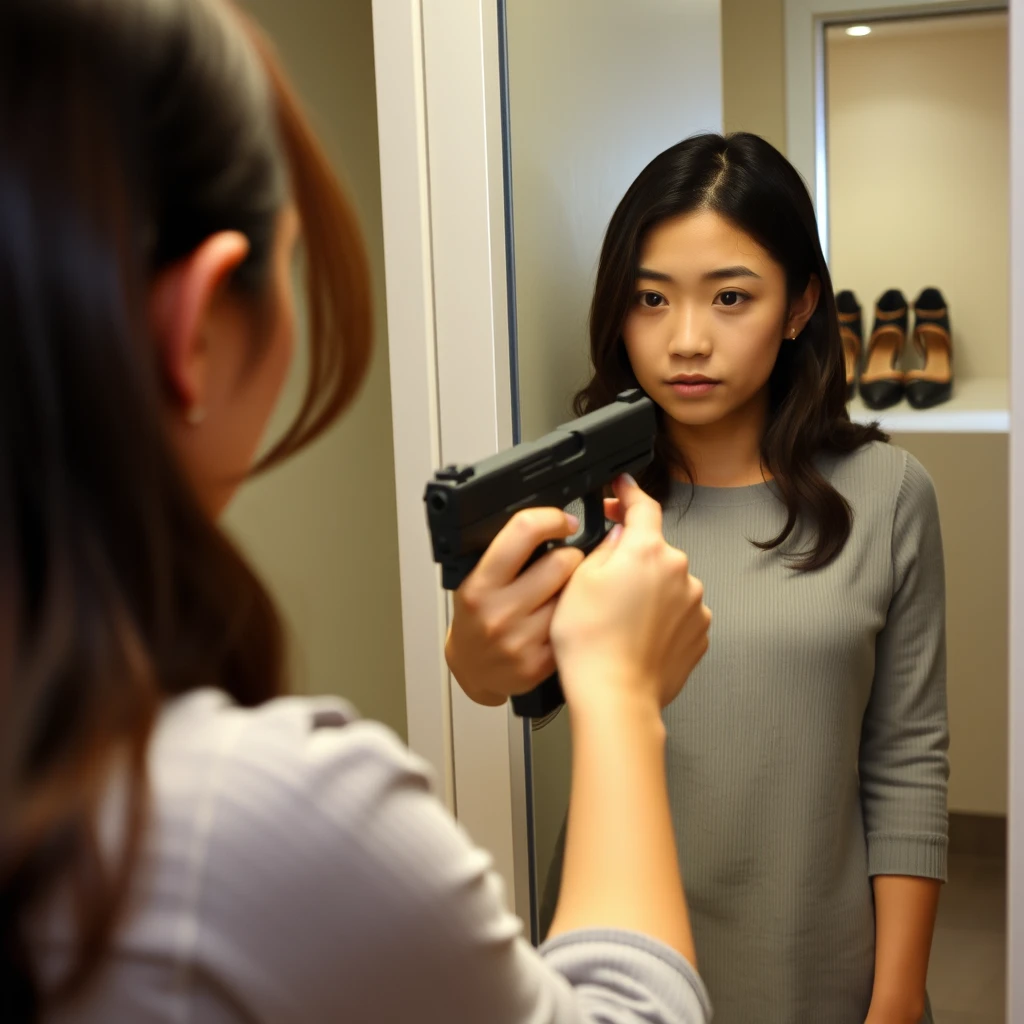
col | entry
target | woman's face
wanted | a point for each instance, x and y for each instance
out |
(708, 317)
(226, 356)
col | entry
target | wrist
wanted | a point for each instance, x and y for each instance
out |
(895, 1009)
(624, 704)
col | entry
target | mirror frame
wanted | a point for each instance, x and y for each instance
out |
(439, 120)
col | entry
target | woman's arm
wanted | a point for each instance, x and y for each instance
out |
(904, 767)
(621, 868)
(904, 921)
(347, 889)
(618, 760)
(627, 632)
(335, 886)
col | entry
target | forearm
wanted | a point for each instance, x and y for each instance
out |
(621, 867)
(905, 911)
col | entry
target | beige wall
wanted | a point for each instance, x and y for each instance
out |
(322, 529)
(971, 479)
(918, 171)
(930, 206)
(754, 69)
(595, 94)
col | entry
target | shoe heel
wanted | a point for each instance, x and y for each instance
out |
(851, 334)
(933, 338)
(882, 383)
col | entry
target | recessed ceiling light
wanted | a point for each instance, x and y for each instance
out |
(859, 30)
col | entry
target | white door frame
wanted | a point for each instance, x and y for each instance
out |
(442, 191)
(1015, 854)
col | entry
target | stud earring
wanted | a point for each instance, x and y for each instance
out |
(195, 415)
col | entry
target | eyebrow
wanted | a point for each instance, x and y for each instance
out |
(721, 274)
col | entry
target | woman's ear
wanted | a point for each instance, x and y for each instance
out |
(802, 309)
(182, 307)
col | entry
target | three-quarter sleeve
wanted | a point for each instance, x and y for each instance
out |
(904, 764)
(337, 887)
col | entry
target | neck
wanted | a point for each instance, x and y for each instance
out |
(726, 453)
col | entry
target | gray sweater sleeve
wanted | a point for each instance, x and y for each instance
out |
(904, 767)
(383, 910)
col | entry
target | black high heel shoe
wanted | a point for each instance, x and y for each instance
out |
(882, 383)
(933, 384)
(851, 333)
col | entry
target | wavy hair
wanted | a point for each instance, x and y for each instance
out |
(750, 183)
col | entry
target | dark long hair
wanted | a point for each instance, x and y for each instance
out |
(750, 183)
(130, 131)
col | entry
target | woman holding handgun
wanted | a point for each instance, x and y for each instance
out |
(807, 757)
(179, 841)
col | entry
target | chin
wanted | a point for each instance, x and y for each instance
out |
(695, 413)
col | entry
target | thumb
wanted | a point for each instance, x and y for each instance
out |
(638, 509)
(613, 509)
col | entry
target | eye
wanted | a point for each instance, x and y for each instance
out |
(731, 298)
(651, 300)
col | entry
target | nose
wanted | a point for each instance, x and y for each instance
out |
(690, 338)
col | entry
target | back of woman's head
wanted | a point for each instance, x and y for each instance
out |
(132, 130)
(749, 183)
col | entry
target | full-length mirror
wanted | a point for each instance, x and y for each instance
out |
(831, 372)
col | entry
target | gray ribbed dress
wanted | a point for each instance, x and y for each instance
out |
(808, 752)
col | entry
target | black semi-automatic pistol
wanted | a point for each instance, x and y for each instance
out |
(467, 506)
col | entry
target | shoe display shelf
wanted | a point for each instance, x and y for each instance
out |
(979, 406)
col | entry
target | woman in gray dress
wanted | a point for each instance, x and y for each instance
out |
(807, 757)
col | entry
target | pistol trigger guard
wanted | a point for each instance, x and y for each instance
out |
(595, 526)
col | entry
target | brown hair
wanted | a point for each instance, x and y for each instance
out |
(750, 183)
(132, 130)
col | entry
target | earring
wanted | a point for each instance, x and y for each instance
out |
(195, 415)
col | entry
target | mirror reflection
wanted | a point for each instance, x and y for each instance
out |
(856, 573)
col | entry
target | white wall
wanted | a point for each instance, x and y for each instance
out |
(322, 529)
(597, 89)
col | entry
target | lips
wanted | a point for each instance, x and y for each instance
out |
(692, 385)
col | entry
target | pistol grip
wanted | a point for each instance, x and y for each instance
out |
(541, 701)
(548, 696)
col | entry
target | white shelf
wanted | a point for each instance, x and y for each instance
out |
(980, 406)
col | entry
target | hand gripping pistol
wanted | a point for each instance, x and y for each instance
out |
(467, 506)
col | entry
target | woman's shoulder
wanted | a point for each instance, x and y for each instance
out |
(293, 811)
(204, 740)
(882, 471)
(296, 770)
